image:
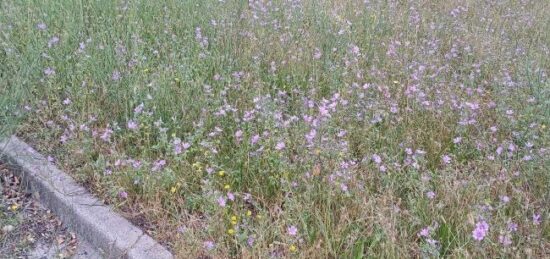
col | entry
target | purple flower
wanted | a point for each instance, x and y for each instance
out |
(250, 241)
(115, 76)
(394, 109)
(505, 240)
(67, 101)
(376, 158)
(446, 159)
(343, 187)
(53, 41)
(292, 230)
(138, 109)
(182, 229)
(221, 201)
(481, 230)
(536, 219)
(42, 26)
(254, 139)
(49, 71)
(158, 165)
(430, 194)
(478, 234)
(424, 232)
(81, 47)
(106, 136)
(483, 225)
(354, 49)
(133, 125)
(317, 54)
(512, 227)
(123, 194)
(179, 147)
(311, 135)
(504, 199)
(136, 164)
(457, 140)
(281, 145)
(239, 135)
(208, 245)
(341, 133)
(231, 196)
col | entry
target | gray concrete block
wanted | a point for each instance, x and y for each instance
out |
(88, 217)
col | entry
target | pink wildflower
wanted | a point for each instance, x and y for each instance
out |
(481, 230)
(133, 125)
(424, 232)
(49, 71)
(221, 201)
(446, 159)
(292, 230)
(376, 158)
(123, 194)
(208, 245)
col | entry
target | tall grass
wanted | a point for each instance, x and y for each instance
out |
(319, 129)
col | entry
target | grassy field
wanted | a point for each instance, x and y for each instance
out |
(285, 128)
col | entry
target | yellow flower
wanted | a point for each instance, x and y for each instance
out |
(221, 173)
(248, 213)
(14, 207)
(230, 231)
(292, 248)
(173, 189)
(227, 186)
(233, 220)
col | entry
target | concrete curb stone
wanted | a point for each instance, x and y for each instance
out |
(92, 220)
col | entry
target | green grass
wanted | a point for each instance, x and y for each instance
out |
(341, 83)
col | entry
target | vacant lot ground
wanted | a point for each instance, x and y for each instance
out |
(309, 129)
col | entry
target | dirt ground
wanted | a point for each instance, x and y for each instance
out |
(27, 229)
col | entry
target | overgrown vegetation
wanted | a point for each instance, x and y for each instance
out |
(312, 129)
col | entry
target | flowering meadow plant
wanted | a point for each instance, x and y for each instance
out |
(307, 129)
